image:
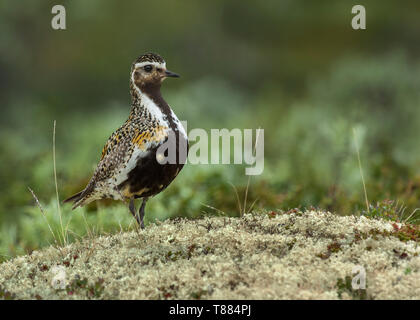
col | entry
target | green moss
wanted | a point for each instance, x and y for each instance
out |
(6, 295)
(345, 286)
(78, 285)
(174, 256)
(198, 295)
(385, 209)
(407, 233)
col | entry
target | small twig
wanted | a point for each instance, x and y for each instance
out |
(249, 178)
(56, 190)
(76, 234)
(87, 226)
(360, 168)
(43, 213)
(414, 211)
(237, 197)
(210, 207)
(252, 205)
(246, 195)
(401, 212)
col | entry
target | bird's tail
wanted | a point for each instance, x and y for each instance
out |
(77, 199)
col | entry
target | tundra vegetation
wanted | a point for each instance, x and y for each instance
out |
(266, 255)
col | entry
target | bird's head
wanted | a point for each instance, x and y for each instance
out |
(149, 70)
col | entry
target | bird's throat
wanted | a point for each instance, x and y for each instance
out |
(150, 98)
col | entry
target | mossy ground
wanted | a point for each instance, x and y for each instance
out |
(271, 255)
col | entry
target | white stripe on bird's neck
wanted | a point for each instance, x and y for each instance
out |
(155, 111)
(149, 104)
(151, 107)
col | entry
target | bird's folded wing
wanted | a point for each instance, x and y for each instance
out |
(143, 139)
(122, 145)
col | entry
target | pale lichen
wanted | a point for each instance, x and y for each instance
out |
(276, 255)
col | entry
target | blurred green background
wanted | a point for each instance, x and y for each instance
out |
(294, 68)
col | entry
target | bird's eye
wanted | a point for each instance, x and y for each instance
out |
(148, 68)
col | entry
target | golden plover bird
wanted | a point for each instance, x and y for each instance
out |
(129, 167)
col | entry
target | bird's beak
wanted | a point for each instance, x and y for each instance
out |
(171, 74)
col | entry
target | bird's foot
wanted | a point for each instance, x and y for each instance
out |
(133, 211)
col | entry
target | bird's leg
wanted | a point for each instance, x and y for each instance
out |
(141, 212)
(133, 210)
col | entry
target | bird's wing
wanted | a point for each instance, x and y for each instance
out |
(114, 153)
(145, 138)
(113, 142)
(119, 156)
(125, 147)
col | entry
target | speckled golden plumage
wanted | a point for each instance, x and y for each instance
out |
(128, 168)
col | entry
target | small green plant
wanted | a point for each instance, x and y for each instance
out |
(6, 295)
(333, 247)
(385, 209)
(81, 286)
(174, 256)
(344, 285)
(407, 232)
(199, 294)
